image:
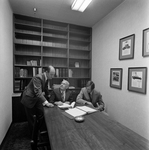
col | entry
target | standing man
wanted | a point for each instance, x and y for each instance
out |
(88, 95)
(33, 97)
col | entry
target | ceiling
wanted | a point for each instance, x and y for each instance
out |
(60, 10)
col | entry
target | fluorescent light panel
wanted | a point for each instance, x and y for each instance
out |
(80, 5)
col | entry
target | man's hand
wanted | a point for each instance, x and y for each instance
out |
(67, 102)
(43, 93)
(59, 103)
(99, 107)
(89, 103)
(49, 105)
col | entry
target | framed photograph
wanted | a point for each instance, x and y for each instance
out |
(145, 44)
(126, 47)
(137, 79)
(116, 78)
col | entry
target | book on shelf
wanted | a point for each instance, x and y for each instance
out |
(17, 71)
(82, 82)
(77, 65)
(32, 63)
(80, 111)
(35, 71)
(57, 72)
(19, 85)
(29, 63)
(70, 73)
(61, 72)
(64, 72)
(39, 70)
(23, 73)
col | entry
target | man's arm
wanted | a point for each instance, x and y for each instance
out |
(80, 99)
(100, 103)
(37, 83)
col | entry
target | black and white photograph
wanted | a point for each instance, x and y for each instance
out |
(74, 75)
(137, 78)
(116, 77)
(126, 47)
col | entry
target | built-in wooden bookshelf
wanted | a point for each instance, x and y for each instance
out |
(39, 43)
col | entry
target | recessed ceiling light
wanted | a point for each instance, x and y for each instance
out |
(34, 9)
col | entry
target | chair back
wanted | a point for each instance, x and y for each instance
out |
(39, 139)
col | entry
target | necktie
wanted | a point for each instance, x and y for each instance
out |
(46, 84)
(62, 96)
(90, 96)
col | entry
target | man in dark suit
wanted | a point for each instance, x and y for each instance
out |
(62, 94)
(35, 94)
(88, 95)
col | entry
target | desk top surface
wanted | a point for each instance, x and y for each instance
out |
(97, 132)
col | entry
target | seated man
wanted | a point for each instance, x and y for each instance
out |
(62, 94)
(88, 95)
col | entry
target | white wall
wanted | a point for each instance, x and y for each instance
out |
(6, 67)
(129, 108)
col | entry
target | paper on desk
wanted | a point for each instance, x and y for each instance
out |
(65, 105)
(86, 109)
(75, 112)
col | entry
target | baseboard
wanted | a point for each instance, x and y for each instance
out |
(4, 140)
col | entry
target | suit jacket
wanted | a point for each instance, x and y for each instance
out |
(56, 96)
(96, 97)
(34, 91)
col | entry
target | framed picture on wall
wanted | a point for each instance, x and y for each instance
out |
(126, 47)
(116, 77)
(145, 44)
(137, 79)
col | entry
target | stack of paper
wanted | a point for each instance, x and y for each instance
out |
(75, 112)
(86, 109)
(80, 111)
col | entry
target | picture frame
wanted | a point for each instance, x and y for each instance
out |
(137, 79)
(116, 78)
(145, 43)
(126, 47)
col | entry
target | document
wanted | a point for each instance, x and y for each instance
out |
(80, 111)
(75, 112)
(86, 109)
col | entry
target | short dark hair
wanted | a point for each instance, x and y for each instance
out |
(90, 83)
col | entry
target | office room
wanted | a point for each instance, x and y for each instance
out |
(116, 47)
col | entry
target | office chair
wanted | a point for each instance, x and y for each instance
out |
(40, 140)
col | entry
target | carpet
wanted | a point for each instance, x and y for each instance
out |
(18, 137)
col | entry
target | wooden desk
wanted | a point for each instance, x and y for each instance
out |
(97, 132)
